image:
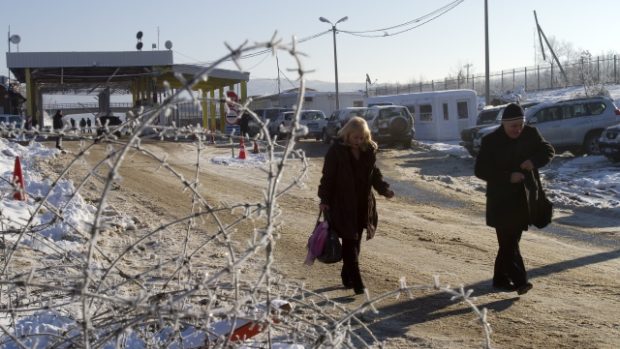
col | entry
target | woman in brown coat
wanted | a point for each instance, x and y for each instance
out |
(349, 173)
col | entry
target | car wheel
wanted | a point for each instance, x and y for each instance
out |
(398, 126)
(590, 144)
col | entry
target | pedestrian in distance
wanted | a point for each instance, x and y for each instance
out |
(89, 126)
(347, 199)
(508, 161)
(83, 125)
(58, 125)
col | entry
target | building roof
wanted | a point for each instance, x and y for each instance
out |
(86, 71)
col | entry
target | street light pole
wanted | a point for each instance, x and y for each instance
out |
(323, 19)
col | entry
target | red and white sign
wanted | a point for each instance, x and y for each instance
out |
(232, 116)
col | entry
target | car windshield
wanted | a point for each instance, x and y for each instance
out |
(312, 115)
(357, 112)
(391, 112)
(272, 114)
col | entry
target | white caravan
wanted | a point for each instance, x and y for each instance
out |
(439, 115)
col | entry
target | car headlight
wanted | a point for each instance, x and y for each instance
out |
(611, 134)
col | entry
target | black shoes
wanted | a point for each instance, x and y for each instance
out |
(524, 288)
(509, 287)
(504, 286)
(359, 290)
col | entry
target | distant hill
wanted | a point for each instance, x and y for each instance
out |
(261, 87)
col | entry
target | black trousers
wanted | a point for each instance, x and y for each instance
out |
(59, 142)
(509, 263)
(350, 273)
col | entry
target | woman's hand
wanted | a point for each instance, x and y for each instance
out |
(324, 207)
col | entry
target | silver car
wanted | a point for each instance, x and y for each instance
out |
(314, 120)
(573, 125)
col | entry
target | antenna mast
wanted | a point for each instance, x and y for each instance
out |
(541, 36)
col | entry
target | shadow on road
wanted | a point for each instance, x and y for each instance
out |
(395, 319)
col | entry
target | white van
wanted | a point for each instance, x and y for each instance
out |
(439, 115)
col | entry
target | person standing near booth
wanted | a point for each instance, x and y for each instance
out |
(58, 125)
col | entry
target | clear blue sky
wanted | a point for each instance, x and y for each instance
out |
(198, 30)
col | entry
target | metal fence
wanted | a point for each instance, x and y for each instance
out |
(597, 70)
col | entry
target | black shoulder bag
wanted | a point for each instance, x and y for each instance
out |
(332, 251)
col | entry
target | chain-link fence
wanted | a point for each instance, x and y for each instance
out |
(588, 70)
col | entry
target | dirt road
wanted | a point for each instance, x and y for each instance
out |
(434, 226)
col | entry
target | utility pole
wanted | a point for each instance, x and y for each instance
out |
(487, 80)
(467, 66)
(325, 20)
(541, 36)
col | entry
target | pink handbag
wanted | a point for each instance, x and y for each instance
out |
(316, 241)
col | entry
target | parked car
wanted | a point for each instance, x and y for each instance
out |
(486, 117)
(609, 143)
(108, 122)
(11, 121)
(314, 120)
(391, 124)
(575, 124)
(265, 114)
(338, 119)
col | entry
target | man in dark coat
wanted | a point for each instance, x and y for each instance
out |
(508, 161)
(349, 174)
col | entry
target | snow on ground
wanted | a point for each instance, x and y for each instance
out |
(588, 181)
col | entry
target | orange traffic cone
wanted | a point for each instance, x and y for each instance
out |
(255, 150)
(18, 180)
(241, 149)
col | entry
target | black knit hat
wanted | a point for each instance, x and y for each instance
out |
(512, 111)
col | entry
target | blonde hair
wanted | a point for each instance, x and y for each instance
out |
(357, 124)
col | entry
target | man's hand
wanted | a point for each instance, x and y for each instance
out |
(527, 165)
(516, 177)
(389, 194)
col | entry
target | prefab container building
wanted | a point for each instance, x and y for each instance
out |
(439, 115)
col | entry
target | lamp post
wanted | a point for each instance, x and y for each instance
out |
(323, 19)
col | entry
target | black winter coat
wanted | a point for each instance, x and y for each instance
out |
(57, 121)
(499, 157)
(337, 189)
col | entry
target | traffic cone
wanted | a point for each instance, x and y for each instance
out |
(18, 180)
(241, 149)
(255, 150)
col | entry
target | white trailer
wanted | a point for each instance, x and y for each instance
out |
(439, 115)
(324, 101)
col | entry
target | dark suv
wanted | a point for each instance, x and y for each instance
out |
(338, 119)
(485, 118)
(391, 124)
